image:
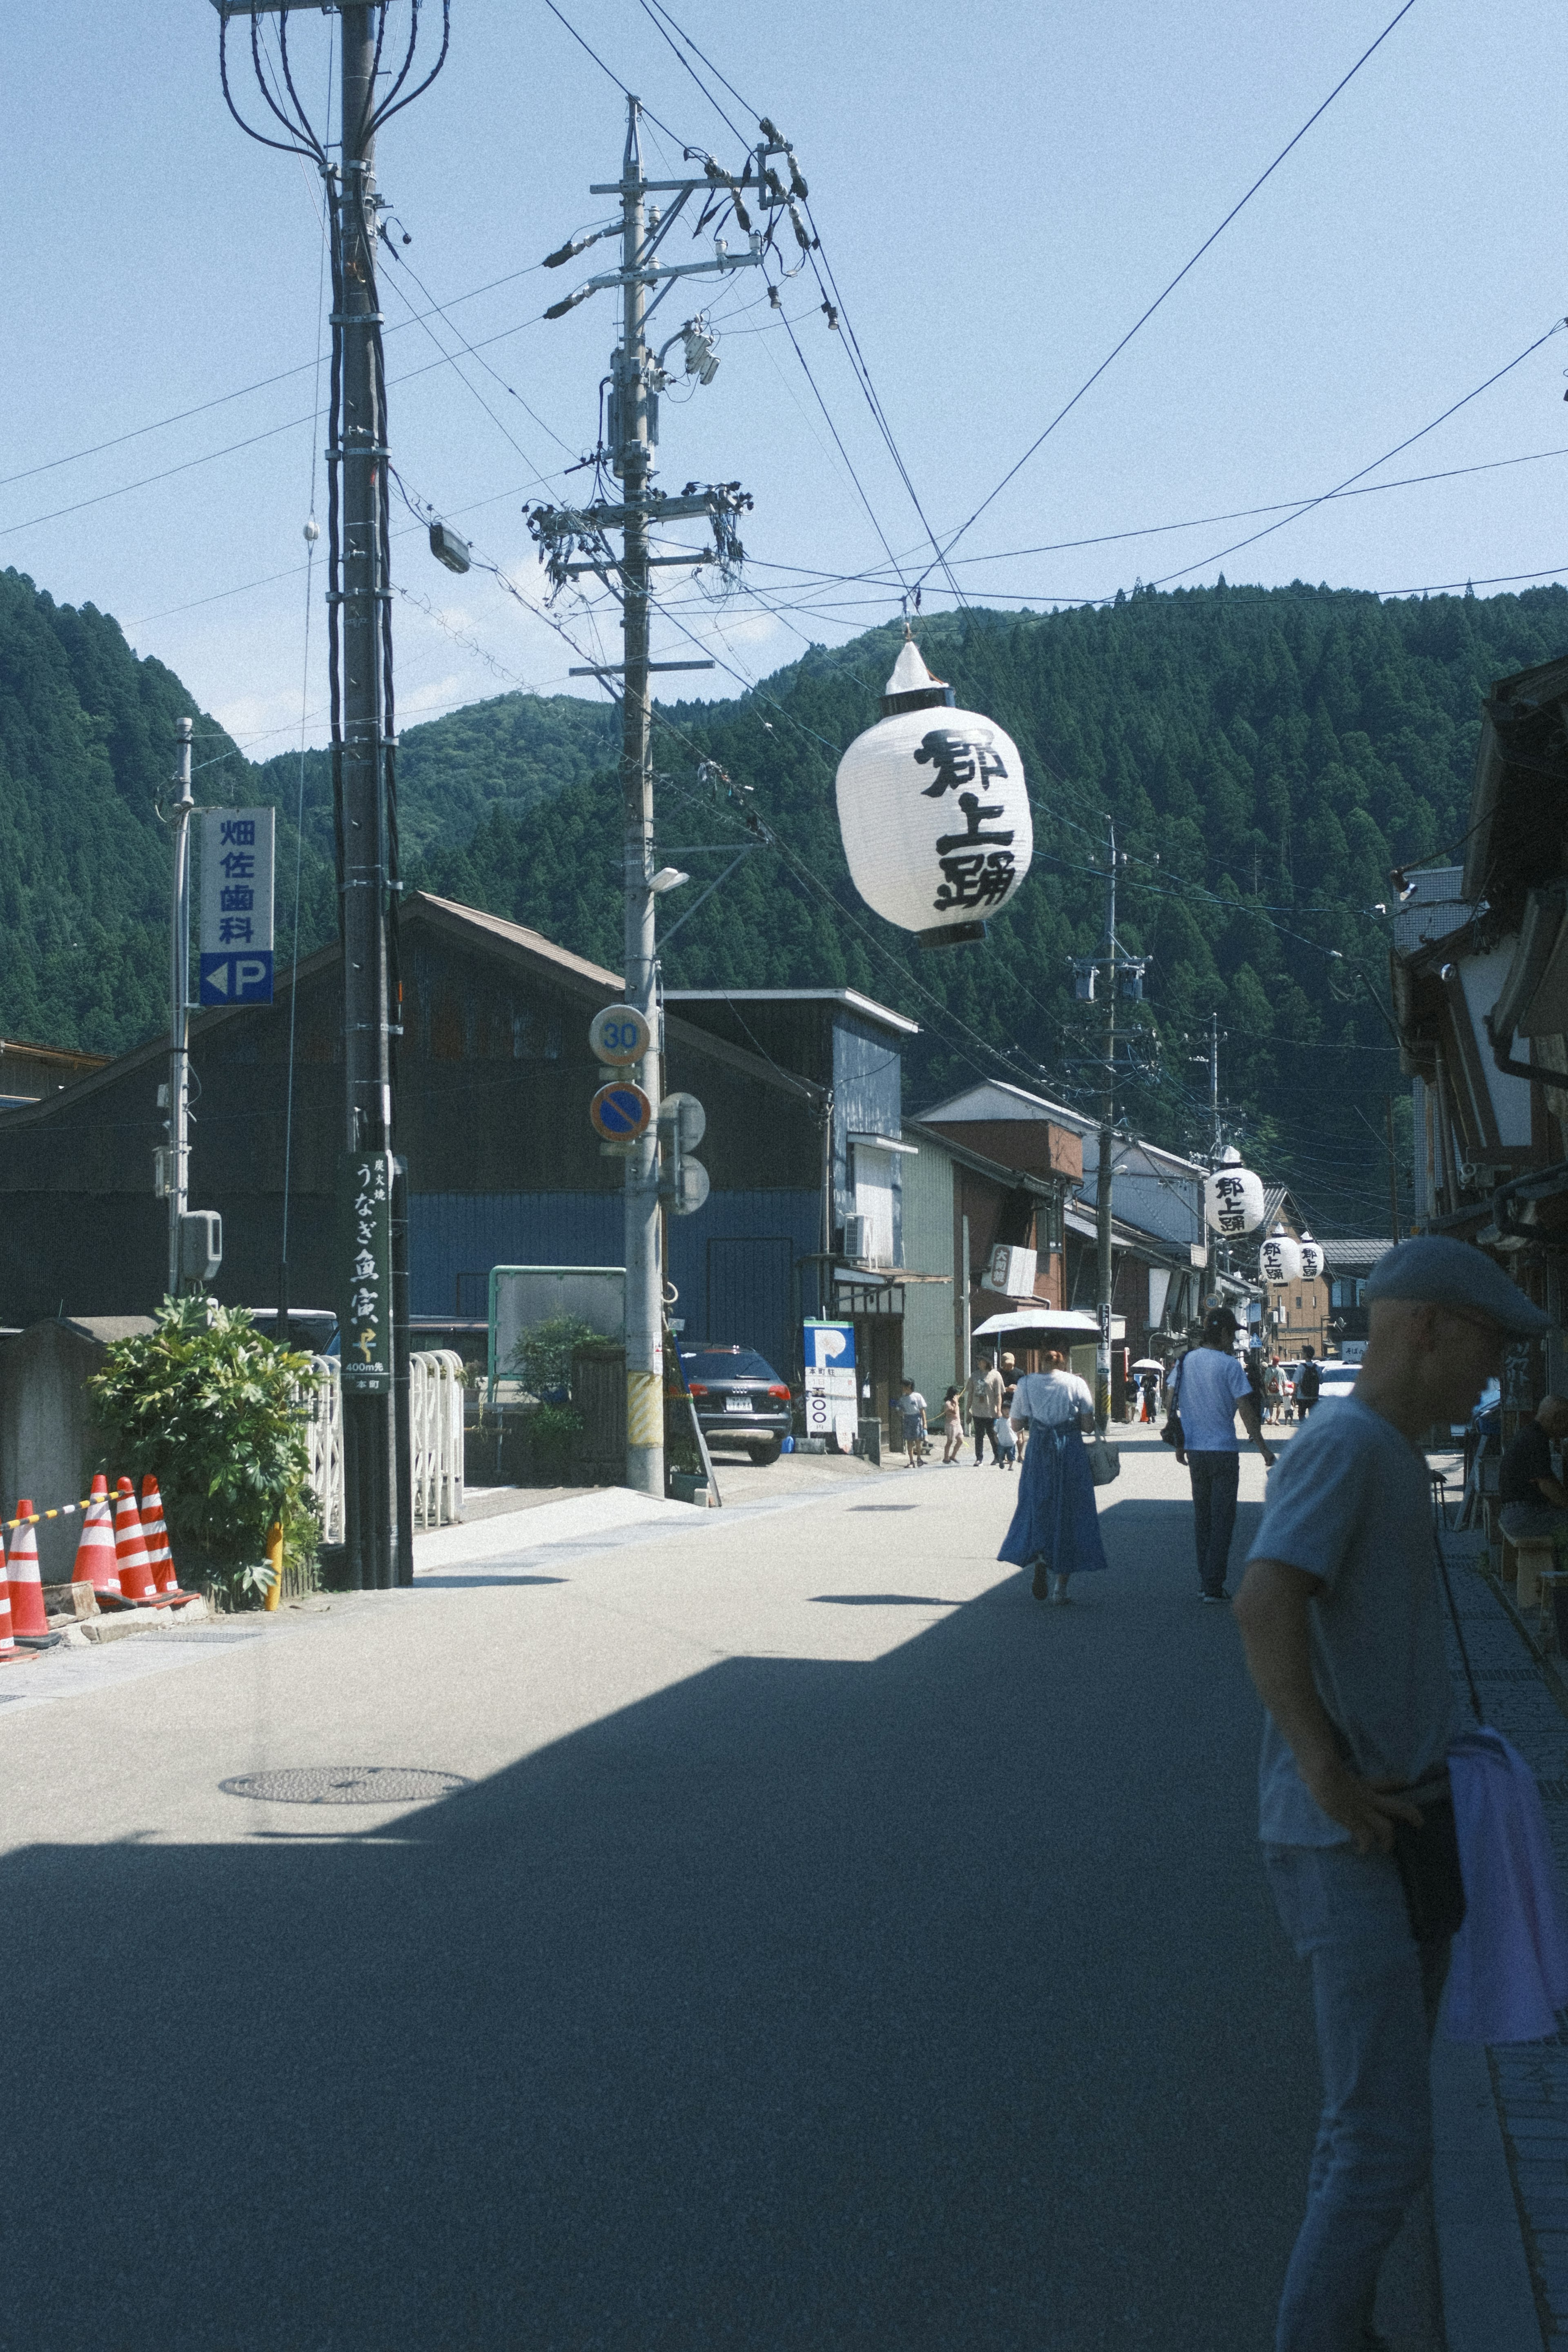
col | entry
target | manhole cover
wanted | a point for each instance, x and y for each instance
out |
(347, 1784)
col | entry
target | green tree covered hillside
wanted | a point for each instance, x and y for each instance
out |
(1267, 756)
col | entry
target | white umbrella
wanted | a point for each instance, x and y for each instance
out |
(1148, 1364)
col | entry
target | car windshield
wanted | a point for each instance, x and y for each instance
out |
(726, 1364)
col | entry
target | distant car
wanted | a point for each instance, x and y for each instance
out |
(1335, 1380)
(740, 1399)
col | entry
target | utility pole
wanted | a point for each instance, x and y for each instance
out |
(1393, 1170)
(179, 1164)
(1104, 1278)
(645, 1271)
(359, 457)
(374, 1266)
(573, 541)
(1213, 1086)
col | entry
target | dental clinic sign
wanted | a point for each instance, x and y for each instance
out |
(236, 849)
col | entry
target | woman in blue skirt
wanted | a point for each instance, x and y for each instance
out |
(1055, 1527)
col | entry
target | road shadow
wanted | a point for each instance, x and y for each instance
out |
(929, 2003)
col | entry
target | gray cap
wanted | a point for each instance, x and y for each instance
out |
(1456, 1274)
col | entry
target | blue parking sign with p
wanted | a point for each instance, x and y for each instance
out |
(237, 979)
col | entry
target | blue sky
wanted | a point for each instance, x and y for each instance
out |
(1001, 191)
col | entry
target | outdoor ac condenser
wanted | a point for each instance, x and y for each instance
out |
(201, 1244)
(857, 1238)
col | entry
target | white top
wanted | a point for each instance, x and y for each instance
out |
(1053, 1399)
(1206, 1388)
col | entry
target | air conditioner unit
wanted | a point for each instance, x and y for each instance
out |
(857, 1238)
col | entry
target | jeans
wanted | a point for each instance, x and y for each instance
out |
(1375, 1993)
(1215, 1478)
(984, 1430)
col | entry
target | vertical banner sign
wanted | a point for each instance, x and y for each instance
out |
(237, 904)
(365, 1346)
(832, 1403)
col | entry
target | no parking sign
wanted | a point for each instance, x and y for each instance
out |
(620, 1112)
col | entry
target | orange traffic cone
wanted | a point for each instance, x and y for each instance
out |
(130, 1547)
(29, 1623)
(8, 1650)
(95, 1561)
(160, 1558)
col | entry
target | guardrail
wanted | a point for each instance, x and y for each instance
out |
(435, 1432)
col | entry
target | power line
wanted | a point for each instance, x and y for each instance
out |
(1187, 268)
(1452, 410)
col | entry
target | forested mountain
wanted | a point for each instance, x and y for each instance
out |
(1276, 751)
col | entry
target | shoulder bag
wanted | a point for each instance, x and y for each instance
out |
(1104, 1461)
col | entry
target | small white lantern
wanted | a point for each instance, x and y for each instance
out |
(1279, 1258)
(933, 811)
(1233, 1198)
(1312, 1258)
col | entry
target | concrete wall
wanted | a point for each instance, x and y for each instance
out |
(48, 1444)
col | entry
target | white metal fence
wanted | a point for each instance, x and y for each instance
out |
(325, 1399)
(436, 1431)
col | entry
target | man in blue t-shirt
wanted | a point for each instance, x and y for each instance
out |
(1207, 1388)
(1342, 1622)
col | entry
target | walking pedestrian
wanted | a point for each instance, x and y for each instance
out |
(1014, 1435)
(1273, 1390)
(985, 1399)
(952, 1428)
(911, 1407)
(1150, 1384)
(1533, 1500)
(1206, 1389)
(1309, 1384)
(1056, 1526)
(1343, 1623)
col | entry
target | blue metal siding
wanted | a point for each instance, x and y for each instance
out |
(455, 1237)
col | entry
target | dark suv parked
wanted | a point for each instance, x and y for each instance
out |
(740, 1399)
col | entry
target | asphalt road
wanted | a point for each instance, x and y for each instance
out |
(829, 1946)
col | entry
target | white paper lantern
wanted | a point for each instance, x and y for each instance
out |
(1233, 1199)
(1279, 1258)
(1312, 1258)
(933, 811)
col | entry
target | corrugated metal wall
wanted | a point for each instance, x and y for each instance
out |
(732, 1262)
(929, 1353)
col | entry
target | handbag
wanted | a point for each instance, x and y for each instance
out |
(1104, 1462)
(1172, 1434)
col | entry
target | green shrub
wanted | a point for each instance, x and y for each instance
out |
(216, 1413)
(552, 1433)
(543, 1356)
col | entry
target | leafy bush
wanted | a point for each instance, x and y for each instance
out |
(543, 1356)
(552, 1433)
(216, 1412)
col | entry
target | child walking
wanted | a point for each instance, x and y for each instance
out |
(912, 1408)
(952, 1427)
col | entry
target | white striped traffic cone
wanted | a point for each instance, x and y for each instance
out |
(29, 1620)
(95, 1561)
(160, 1558)
(130, 1547)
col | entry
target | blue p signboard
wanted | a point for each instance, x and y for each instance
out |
(237, 979)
